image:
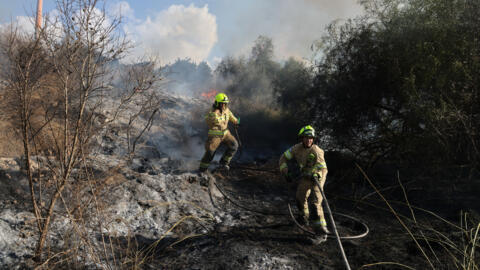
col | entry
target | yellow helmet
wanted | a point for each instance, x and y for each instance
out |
(221, 98)
(307, 131)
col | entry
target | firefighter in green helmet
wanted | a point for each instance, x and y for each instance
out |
(217, 120)
(310, 158)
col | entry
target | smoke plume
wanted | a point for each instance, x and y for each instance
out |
(293, 25)
(175, 33)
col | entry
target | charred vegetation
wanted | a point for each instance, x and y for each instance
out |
(106, 153)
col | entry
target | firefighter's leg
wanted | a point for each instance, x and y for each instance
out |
(232, 145)
(317, 199)
(303, 191)
(210, 147)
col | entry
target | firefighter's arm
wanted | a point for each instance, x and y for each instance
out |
(320, 167)
(232, 118)
(212, 119)
(282, 163)
(286, 156)
(321, 176)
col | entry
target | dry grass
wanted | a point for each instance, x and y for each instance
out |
(51, 92)
(10, 143)
(45, 121)
(460, 253)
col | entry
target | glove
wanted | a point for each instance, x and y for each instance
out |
(238, 121)
(287, 176)
(316, 177)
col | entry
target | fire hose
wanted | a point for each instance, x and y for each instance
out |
(239, 142)
(337, 236)
(345, 260)
(238, 137)
(351, 237)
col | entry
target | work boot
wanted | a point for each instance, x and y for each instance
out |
(320, 227)
(302, 219)
(224, 166)
(201, 171)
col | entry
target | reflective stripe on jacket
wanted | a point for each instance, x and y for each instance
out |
(218, 121)
(316, 163)
(215, 132)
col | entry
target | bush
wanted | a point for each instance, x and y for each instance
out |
(401, 82)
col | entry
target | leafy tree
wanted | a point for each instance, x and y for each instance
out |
(54, 90)
(254, 83)
(252, 78)
(292, 85)
(402, 82)
(262, 55)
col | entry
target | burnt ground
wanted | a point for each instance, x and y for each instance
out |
(250, 227)
(263, 236)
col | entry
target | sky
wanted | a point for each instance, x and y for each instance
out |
(208, 30)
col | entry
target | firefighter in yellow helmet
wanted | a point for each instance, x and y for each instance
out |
(310, 158)
(217, 120)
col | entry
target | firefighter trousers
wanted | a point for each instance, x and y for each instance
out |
(213, 142)
(306, 188)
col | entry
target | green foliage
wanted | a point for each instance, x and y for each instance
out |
(251, 79)
(260, 77)
(270, 96)
(262, 56)
(402, 82)
(292, 85)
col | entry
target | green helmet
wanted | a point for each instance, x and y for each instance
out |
(307, 131)
(221, 98)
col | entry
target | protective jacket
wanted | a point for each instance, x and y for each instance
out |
(311, 161)
(217, 121)
(218, 133)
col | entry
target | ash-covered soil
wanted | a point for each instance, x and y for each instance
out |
(156, 212)
(261, 234)
(182, 221)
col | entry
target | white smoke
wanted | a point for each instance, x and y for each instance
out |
(293, 25)
(192, 32)
(23, 24)
(52, 19)
(177, 32)
(122, 9)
